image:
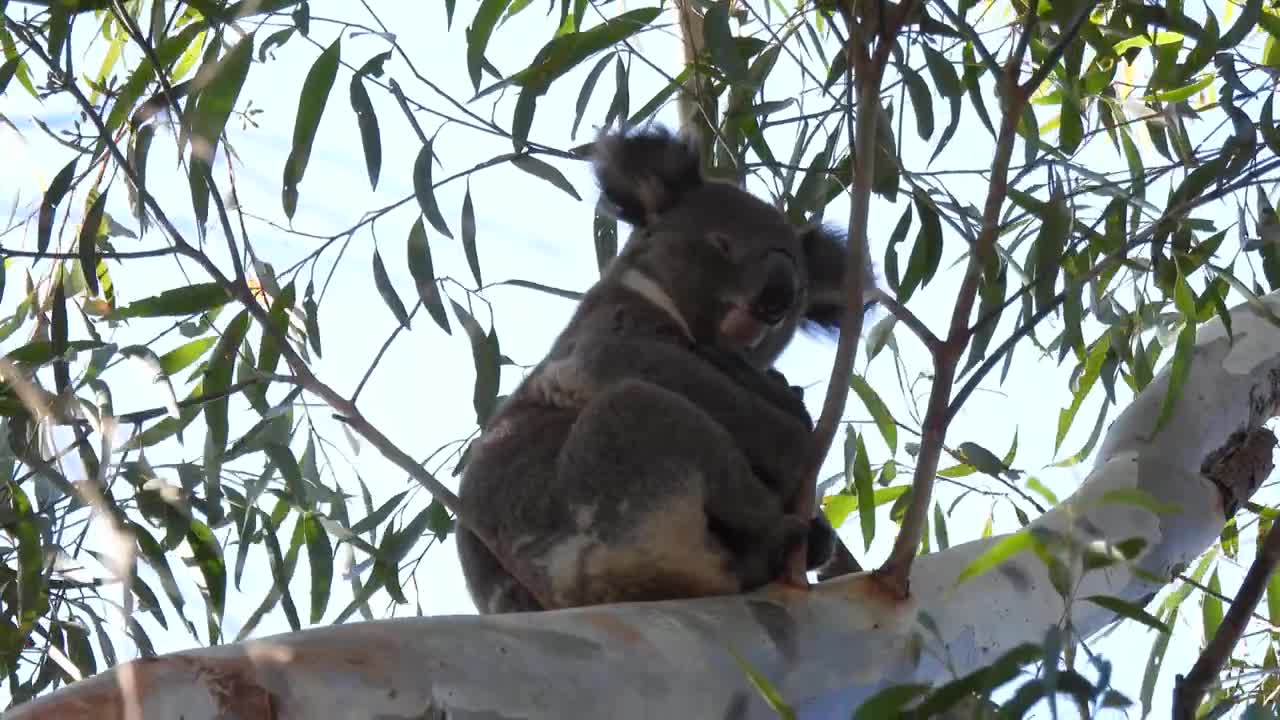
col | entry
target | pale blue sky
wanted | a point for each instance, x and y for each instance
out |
(421, 394)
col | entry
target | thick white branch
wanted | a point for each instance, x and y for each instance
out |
(825, 650)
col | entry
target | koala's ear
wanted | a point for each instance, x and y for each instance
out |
(645, 173)
(826, 254)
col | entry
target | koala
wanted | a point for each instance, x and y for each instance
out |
(653, 453)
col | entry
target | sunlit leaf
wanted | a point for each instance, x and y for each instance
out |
(185, 300)
(217, 379)
(320, 558)
(1128, 610)
(997, 554)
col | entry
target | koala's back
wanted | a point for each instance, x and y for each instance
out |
(561, 488)
(580, 529)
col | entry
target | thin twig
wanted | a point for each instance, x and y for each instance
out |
(368, 373)
(125, 255)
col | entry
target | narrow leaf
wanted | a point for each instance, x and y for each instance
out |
(311, 103)
(387, 291)
(423, 273)
(89, 242)
(58, 188)
(425, 190)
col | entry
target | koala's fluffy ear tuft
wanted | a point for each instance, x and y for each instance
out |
(644, 173)
(826, 254)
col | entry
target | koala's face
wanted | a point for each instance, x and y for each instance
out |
(741, 275)
(736, 264)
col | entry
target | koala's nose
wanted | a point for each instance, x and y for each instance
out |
(779, 291)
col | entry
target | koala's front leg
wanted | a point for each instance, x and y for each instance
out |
(773, 440)
(769, 384)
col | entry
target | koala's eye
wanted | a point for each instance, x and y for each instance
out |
(720, 241)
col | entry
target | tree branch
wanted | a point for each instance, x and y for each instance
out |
(908, 318)
(937, 416)
(1255, 462)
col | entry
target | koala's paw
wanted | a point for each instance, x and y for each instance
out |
(821, 542)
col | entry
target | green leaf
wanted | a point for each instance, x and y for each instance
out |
(1128, 610)
(858, 475)
(545, 171)
(564, 53)
(838, 507)
(312, 311)
(998, 553)
(320, 557)
(367, 119)
(387, 291)
(478, 34)
(89, 242)
(719, 41)
(927, 252)
(311, 103)
(185, 300)
(921, 101)
(1092, 370)
(940, 527)
(1211, 607)
(1273, 589)
(282, 457)
(58, 188)
(424, 275)
(484, 350)
(1050, 244)
(207, 116)
(1138, 498)
(1180, 369)
(217, 379)
(584, 95)
(425, 190)
(530, 285)
(182, 356)
(879, 411)
(208, 558)
(278, 329)
(469, 238)
(1160, 37)
(1183, 93)
(1244, 25)
(7, 71)
(767, 691)
(22, 528)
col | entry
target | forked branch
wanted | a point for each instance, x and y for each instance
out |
(938, 414)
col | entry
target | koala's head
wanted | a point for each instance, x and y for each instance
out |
(737, 272)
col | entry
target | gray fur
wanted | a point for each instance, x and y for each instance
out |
(648, 457)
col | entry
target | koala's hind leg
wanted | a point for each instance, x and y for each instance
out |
(674, 508)
(492, 588)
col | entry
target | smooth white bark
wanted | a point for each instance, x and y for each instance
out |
(826, 650)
